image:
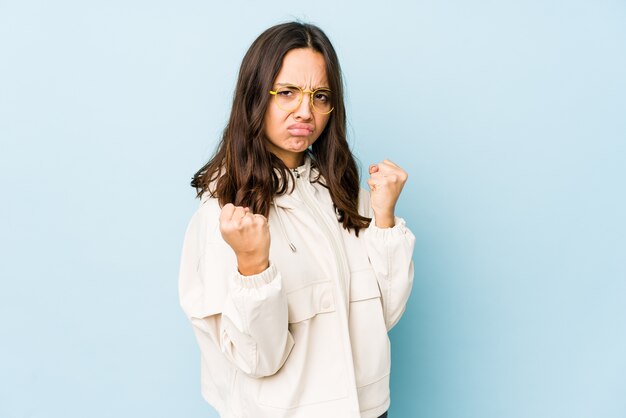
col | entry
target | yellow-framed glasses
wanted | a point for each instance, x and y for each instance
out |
(289, 98)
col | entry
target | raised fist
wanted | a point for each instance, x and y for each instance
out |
(248, 234)
(386, 182)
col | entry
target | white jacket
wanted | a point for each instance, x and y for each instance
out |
(306, 338)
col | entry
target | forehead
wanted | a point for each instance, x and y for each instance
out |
(303, 67)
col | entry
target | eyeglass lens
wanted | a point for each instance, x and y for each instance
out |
(289, 98)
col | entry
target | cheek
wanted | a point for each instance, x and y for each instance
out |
(321, 123)
(271, 123)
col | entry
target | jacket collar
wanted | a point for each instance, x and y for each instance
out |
(307, 174)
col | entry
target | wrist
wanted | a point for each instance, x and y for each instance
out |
(249, 264)
(385, 220)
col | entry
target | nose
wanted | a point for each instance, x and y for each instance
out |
(305, 110)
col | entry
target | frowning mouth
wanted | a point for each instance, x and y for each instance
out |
(300, 129)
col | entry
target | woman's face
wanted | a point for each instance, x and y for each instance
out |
(291, 133)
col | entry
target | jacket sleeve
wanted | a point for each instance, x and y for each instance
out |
(246, 317)
(390, 251)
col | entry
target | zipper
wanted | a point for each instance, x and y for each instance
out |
(342, 270)
(340, 255)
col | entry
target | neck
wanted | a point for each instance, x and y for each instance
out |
(291, 160)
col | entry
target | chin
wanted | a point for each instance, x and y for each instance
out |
(299, 146)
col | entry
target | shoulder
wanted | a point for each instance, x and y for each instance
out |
(365, 208)
(206, 218)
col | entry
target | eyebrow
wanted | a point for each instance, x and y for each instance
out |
(292, 84)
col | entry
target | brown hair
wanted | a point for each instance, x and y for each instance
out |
(243, 171)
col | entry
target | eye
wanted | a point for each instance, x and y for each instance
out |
(322, 96)
(287, 92)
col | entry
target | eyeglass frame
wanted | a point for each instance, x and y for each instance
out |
(310, 92)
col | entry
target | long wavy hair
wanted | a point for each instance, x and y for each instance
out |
(243, 171)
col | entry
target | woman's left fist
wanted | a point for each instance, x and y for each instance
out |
(386, 182)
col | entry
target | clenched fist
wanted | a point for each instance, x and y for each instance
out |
(386, 182)
(248, 234)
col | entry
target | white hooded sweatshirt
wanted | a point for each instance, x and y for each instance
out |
(307, 337)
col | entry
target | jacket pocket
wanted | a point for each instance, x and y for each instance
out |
(315, 369)
(368, 333)
(363, 285)
(311, 300)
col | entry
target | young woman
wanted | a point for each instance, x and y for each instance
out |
(291, 275)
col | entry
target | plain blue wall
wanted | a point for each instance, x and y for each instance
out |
(510, 117)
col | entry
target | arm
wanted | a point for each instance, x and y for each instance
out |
(388, 241)
(244, 316)
(390, 251)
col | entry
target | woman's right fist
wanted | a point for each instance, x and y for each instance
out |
(248, 234)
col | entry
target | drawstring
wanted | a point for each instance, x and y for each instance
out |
(282, 228)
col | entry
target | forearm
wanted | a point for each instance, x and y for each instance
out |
(254, 328)
(390, 251)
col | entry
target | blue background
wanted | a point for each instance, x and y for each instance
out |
(508, 115)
